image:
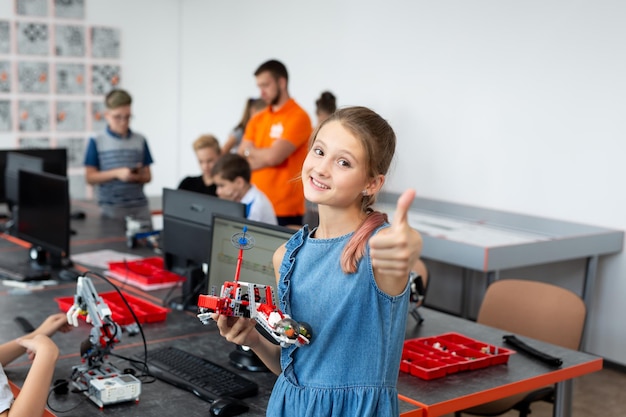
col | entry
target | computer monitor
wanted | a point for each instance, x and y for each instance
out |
(256, 267)
(16, 162)
(44, 218)
(257, 264)
(54, 162)
(186, 236)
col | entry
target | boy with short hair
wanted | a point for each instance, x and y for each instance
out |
(118, 161)
(231, 173)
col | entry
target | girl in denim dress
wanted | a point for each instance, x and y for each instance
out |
(347, 278)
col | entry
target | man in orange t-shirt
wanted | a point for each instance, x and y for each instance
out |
(275, 144)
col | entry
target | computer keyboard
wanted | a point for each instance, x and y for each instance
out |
(204, 378)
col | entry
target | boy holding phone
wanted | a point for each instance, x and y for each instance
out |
(118, 162)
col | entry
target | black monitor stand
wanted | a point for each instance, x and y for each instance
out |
(195, 281)
(42, 259)
(244, 358)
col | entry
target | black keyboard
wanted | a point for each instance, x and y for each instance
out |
(204, 378)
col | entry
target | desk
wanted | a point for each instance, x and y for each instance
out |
(489, 241)
(182, 329)
(467, 389)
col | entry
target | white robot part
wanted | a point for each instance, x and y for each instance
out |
(102, 382)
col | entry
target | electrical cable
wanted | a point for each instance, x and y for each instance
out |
(143, 336)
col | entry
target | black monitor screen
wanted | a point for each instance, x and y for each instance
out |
(44, 212)
(16, 162)
(54, 162)
(257, 266)
(187, 221)
(186, 235)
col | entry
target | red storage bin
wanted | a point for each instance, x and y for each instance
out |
(475, 358)
(147, 273)
(437, 356)
(428, 369)
(145, 311)
(497, 354)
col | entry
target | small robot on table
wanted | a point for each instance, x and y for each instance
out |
(98, 379)
(246, 299)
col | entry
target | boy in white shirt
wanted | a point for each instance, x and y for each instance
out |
(231, 174)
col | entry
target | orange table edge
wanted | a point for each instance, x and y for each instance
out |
(504, 391)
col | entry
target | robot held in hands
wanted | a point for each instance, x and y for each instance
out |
(245, 299)
(99, 380)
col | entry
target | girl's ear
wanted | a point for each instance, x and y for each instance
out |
(374, 185)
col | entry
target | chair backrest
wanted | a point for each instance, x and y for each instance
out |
(534, 309)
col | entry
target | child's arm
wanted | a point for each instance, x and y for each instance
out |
(12, 350)
(394, 250)
(31, 400)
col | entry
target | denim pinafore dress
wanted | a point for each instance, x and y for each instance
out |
(351, 366)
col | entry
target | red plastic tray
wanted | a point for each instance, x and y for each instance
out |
(147, 273)
(145, 311)
(438, 356)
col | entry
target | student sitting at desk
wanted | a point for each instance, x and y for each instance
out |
(44, 352)
(231, 174)
(207, 149)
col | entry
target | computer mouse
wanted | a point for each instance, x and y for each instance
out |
(228, 406)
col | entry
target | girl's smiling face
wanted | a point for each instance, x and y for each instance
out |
(334, 172)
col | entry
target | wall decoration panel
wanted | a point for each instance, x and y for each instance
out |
(5, 116)
(32, 77)
(55, 70)
(33, 38)
(70, 40)
(5, 37)
(70, 78)
(70, 116)
(105, 42)
(34, 115)
(69, 9)
(32, 7)
(5, 76)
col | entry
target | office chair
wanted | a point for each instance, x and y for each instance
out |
(534, 309)
(419, 278)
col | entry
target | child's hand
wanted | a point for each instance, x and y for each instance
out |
(39, 344)
(237, 330)
(52, 324)
(395, 249)
(126, 174)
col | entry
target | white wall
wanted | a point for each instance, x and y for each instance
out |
(517, 106)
